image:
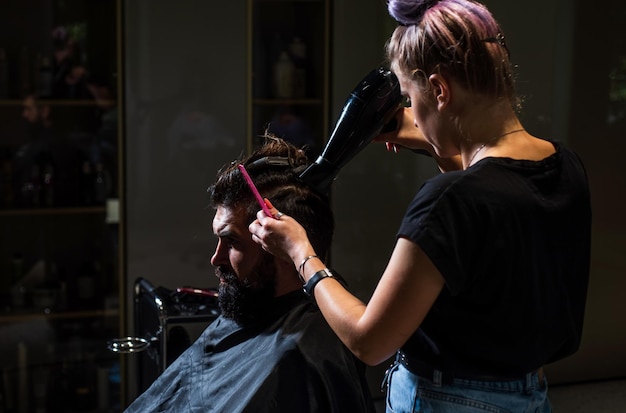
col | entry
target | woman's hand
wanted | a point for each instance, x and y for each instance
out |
(280, 235)
(406, 134)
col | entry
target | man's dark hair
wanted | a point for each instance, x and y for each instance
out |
(275, 168)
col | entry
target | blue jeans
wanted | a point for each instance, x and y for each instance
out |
(408, 393)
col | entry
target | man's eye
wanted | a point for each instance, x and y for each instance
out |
(406, 101)
(227, 242)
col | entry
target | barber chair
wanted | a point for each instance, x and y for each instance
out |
(167, 322)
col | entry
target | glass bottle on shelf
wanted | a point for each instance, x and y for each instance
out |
(47, 178)
(275, 48)
(297, 51)
(88, 282)
(102, 184)
(283, 76)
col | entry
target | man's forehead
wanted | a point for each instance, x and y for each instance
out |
(229, 220)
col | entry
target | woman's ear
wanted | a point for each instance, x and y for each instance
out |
(440, 88)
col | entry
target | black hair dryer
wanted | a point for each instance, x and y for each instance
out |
(371, 105)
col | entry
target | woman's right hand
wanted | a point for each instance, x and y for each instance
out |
(408, 135)
(281, 235)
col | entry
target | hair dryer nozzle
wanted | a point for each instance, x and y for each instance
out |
(371, 105)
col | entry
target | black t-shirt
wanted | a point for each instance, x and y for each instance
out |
(512, 240)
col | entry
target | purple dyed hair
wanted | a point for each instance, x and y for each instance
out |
(457, 37)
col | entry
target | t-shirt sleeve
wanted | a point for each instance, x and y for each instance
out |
(438, 220)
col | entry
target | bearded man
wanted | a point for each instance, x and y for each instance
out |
(270, 350)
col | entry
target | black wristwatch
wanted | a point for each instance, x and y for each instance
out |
(317, 277)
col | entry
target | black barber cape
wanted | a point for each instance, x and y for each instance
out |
(290, 362)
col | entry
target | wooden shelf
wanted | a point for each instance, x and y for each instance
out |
(54, 211)
(67, 315)
(279, 102)
(60, 102)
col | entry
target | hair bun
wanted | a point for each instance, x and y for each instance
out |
(409, 12)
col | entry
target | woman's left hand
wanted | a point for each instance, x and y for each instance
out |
(406, 134)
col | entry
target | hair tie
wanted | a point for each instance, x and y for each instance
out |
(411, 17)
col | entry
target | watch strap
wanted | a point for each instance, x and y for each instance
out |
(317, 277)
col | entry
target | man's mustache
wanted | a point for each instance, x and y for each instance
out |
(224, 274)
(230, 277)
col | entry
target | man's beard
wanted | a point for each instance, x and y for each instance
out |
(247, 301)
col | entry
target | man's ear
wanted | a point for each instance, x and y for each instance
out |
(440, 89)
(287, 279)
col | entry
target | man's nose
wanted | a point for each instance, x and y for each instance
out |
(219, 256)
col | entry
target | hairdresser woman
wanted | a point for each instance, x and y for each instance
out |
(487, 281)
